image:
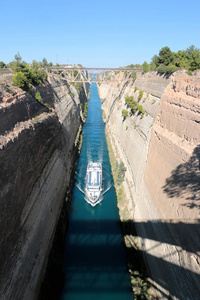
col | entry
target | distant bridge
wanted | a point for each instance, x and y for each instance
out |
(83, 74)
(66, 67)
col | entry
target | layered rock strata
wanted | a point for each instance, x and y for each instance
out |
(161, 153)
(37, 156)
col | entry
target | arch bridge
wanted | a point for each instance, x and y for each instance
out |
(77, 74)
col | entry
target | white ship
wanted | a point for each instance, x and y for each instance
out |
(93, 183)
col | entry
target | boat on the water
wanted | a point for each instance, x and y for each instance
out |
(93, 183)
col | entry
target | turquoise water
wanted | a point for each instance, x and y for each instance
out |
(95, 264)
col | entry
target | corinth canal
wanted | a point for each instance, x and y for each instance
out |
(95, 263)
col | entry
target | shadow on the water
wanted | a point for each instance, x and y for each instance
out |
(94, 258)
(104, 258)
(185, 181)
(177, 280)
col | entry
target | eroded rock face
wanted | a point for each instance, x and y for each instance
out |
(161, 153)
(37, 154)
(174, 144)
(172, 180)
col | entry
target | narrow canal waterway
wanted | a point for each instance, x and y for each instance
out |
(95, 264)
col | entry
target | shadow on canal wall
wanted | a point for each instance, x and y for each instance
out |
(171, 280)
(184, 181)
(181, 239)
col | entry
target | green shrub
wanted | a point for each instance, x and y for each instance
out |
(44, 62)
(141, 110)
(120, 191)
(85, 110)
(38, 96)
(43, 75)
(140, 95)
(120, 173)
(134, 76)
(48, 105)
(120, 194)
(167, 70)
(134, 107)
(145, 67)
(124, 114)
(31, 74)
(170, 70)
(20, 80)
(130, 102)
(135, 88)
(162, 69)
(36, 76)
(2, 64)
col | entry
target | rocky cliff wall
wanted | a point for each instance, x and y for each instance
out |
(161, 154)
(37, 156)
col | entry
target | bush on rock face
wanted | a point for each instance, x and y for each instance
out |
(38, 96)
(20, 80)
(124, 114)
(120, 170)
(140, 95)
(141, 110)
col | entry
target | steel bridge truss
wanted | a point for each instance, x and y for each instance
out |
(75, 74)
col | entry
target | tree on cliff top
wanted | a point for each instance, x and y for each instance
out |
(168, 62)
(194, 57)
(44, 62)
(145, 67)
(166, 56)
(27, 74)
(18, 57)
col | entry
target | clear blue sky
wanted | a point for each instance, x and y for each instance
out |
(101, 33)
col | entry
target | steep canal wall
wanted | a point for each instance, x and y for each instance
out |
(159, 145)
(38, 146)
